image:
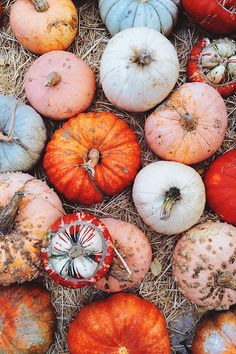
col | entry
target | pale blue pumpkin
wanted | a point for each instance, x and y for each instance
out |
(22, 135)
(160, 15)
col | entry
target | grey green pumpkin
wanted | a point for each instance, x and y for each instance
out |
(22, 135)
(160, 15)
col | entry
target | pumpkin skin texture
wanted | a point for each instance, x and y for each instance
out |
(136, 251)
(122, 323)
(22, 135)
(159, 15)
(92, 156)
(51, 24)
(215, 333)
(59, 85)
(215, 16)
(139, 68)
(221, 176)
(169, 196)
(79, 250)
(27, 319)
(28, 207)
(204, 265)
(189, 126)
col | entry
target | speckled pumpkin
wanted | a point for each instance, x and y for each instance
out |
(28, 207)
(204, 264)
(27, 320)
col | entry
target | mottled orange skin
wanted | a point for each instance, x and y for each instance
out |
(27, 320)
(122, 321)
(68, 151)
(216, 327)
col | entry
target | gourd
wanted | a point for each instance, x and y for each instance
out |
(91, 156)
(51, 24)
(27, 319)
(220, 183)
(215, 64)
(27, 209)
(133, 259)
(169, 196)
(79, 250)
(139, 68)
(204, 265)
(122, 323)
(59, 85)
(157, 14)
(189, 126)
(22, 135)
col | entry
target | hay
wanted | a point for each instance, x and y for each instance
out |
(89, 45)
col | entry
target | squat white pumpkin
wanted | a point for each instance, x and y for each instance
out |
(169, 196)
(139, 68)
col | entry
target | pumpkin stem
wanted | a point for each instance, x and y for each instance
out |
(188, 122)
(171, 197)
(227, 280)
(143, 58)
(9, 212)
(40, 5)
(53, 79)
(93, 156)
(8, 138)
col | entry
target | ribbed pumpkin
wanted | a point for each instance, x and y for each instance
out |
(27, 320)
(92, 156)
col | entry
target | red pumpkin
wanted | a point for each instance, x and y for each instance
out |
(220, 182)
(93, 155)
(216, 16)
(79, 250)
(27, 320)
(121, 324)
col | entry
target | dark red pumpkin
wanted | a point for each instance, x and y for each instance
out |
(216, 16)
(121, 324)
(220, 182)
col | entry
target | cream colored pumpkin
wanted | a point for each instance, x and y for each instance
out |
(169, 196)
(139, 68)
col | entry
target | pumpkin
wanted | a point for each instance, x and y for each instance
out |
(79, 250)
(27, 319)
(59, 85)
(27, 209)
(220, 183)
(139, 68)
(122, 323)
(189, 126)
(158, 14)
(215, 64)
(93, 155)
(216, 16)
(22, 135)
(215, 333)
(169, 196)
(51, 24)
(204, 264)
(131, 262)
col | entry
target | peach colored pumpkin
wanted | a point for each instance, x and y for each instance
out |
(28, 207)
(59, 85)
(44, 25)
(189, 126)
(135, 249)
(204, 264)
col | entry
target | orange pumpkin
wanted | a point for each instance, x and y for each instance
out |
(189, 126)
(27, 320)
(44, 25)
(121, 324)
(92, 156)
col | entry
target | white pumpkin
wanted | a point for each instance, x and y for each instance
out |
(160, 15)
(139, 68)
(169, 196)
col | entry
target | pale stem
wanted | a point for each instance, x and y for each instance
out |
(53, 79)
(171, 197)
(40, 5)
(8, 138)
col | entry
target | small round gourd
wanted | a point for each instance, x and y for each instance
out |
(22, 135)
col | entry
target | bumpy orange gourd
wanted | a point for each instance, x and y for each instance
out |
(121, 324)
(92, 156)
(27, 320)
